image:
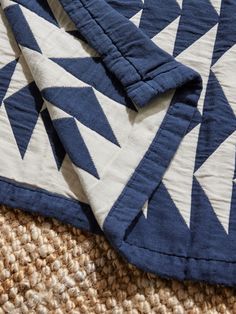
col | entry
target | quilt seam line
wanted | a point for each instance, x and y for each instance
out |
(142, 79)
(178, 256)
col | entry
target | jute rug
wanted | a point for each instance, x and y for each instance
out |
(48, 267)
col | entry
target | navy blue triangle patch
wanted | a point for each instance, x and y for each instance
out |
(157, 14)
(226, 34)
(126, 8)
(197, 18)
(164, 229)
(93, 72)
(218, 121)
(23, 34)
(56, 145)
(41, 8)
(23, 109)
(82, 104)
(74, 145)
(208, 233)
(5, 78)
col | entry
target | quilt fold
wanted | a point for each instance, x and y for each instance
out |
(102, 127)
(144, 69)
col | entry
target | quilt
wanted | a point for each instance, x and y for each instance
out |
(118, 117)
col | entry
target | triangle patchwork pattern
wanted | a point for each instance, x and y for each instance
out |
(56, 145)
(165, 39)
(226, 35)
(74, 145)
(197, 18)
(136, 18)
(217, 5)
(217, 112)
(148, 226)
(66, 46)
(24, 35)
(203, 222)
(224, 70)
(41, 8)
(157, 14)
(93, 72)
(198, 56)
(82, 101)
(9, 49)
(82, 104)
(179, 184)
(216, 178)
(23, 109)
(5, 78)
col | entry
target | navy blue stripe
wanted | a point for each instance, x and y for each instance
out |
(42, 202)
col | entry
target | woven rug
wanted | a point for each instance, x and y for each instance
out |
(48, 267)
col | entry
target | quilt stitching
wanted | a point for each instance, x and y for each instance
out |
(160, 179)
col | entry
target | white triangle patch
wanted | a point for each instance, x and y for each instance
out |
(122, 125)
(9, 50)
(11, 150)
(39, 66)
(20, 78)
(136, 18)
(180, 3)
(225, 69)
(198, 56)
(217, 5)
(55, 112)
(100, 149)
(166, 38)
(45, 33)
(179, 182)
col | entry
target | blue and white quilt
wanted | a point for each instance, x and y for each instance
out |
(118, 116)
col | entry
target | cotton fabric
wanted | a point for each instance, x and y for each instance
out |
(119, 117)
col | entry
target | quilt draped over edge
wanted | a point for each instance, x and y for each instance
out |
(118, 132)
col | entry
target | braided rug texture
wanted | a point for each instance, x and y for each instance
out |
(48, 267)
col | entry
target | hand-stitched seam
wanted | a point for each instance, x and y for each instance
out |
(117, 48)
(179, 256)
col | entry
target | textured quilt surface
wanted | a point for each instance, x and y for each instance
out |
(119, 117)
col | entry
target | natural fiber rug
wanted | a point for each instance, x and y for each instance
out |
(48, 267)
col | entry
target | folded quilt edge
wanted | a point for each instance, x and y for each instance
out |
(128, 204)
(177, 121)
